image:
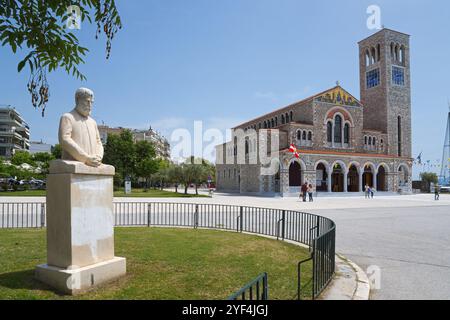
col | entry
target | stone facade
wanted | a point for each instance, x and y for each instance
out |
(344, 144)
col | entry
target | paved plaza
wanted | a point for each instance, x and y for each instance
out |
(407, 237)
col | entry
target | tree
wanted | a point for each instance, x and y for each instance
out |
(42, 157)
(174, 174)
(195, 171)
(38, 28)
(57, 151)
(43, 160)
(163, 175)
(145, 169)
(21, 157)
(428, 178)
(187, 173)
(145, 165)
(120, 152)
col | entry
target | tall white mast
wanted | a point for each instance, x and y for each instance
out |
(445, 165)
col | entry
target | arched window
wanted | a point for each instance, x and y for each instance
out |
(370, 141)
(374, 141)
(338, 129)
(365, 140)
(304, 135)
(273, 123)
(346, 133)
(291, 116)
(392, 50)
(282, 119)
(247, 147)
(367, 58)
(287, 118)
(373, 56)
(265, 125)
(309, 136)
(402, 54)
(329, 131)
(299, 135)
(396, 52)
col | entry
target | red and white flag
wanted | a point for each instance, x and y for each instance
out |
(294, 150)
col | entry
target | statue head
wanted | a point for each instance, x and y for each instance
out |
(84, 99)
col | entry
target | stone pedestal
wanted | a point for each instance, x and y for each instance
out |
(80, 228)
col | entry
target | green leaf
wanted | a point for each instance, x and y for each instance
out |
(21, 65)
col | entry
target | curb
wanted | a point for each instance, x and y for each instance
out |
(362, 291)
(349, 283)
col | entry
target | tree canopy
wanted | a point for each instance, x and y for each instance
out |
(38, 29)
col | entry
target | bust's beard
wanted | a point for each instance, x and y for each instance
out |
(83, 112)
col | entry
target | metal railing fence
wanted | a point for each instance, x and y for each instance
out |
(317, 232)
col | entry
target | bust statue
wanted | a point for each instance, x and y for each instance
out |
(78, 132)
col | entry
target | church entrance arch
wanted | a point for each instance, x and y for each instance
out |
(295, 174)
(368, 176)
(321, 178)
(337, 178)
(353, 179)
(381, 179)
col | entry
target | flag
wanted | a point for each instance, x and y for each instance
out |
(419, 158)
(293, 149)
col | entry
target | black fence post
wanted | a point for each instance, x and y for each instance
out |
(196, 217)
(241, 220)
(283, 226)
(266, 287)
(318, 225)
(314, 272)
(42, 215)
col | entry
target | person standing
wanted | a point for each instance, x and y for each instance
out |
(366, 191)
(310, 193)
(436, 192)
(304, 191)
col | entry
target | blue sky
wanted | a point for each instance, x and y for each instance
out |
(225, 61)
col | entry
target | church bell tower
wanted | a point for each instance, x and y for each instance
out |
(385, 84)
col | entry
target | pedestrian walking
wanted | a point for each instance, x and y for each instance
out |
(366, 191)
(436, 192)
(372, 191)
(310, 193)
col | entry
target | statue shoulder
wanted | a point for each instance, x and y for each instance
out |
(68, 116)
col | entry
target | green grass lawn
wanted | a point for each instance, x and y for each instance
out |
(27, 193)
(163, 263)
(137, 193)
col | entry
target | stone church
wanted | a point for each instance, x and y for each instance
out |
(343, 143)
